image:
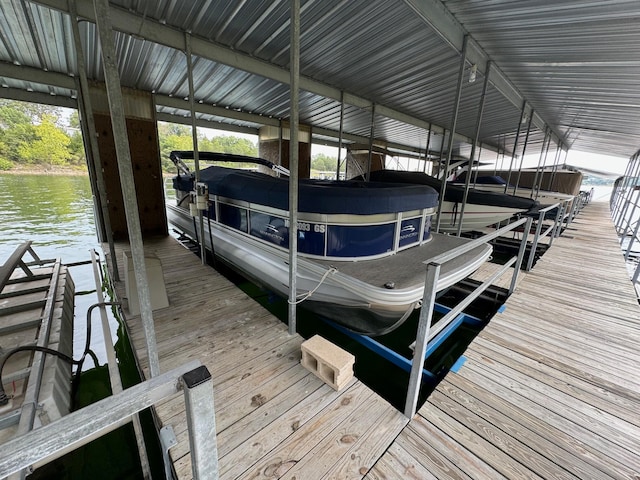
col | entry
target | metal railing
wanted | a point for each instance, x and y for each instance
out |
(49, 442)
(426, 332)
(551, 231)
(625, 212)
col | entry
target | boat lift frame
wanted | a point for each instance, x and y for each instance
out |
(401, 361)
(427, 333)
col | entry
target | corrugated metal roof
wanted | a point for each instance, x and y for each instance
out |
(574, 62)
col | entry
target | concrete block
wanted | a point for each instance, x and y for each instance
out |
(155, 280)
(328, 361)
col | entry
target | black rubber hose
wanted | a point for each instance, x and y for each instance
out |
(4, 399)
(28, 348)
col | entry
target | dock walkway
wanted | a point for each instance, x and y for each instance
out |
(274, 418)
(550, 388)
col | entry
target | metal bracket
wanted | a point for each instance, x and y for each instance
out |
(168, 440)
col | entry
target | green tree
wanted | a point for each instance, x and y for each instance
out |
(323, 162)
(32, 133)
(16, 129)
(178, 137)
(76, 144)
(231, 144)
(172, 136)
(50, 146)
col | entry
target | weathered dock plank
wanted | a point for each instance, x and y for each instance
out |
(551, 387)
(273, 417)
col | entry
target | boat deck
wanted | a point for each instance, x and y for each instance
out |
(550, 389)
(405, 269)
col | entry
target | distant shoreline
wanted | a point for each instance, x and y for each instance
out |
(56, 171)
(61, 171)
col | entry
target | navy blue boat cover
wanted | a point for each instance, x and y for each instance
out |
(484, 179)
(455, 193)
(314, 196)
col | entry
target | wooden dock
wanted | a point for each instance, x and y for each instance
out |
(274, 418)
(551, 387)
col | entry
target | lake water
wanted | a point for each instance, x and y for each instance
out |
(56, 214)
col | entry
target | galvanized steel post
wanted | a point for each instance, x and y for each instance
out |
(424, 325)
(629, 189)
(555, 169)
(201, 422)
(535, 188)
(293, 162)
(524, 149)
(116, 107)
(515, 144)
(620, 200)
(89, 128)
(426, 150)
(194, 136)
(367, 173)
(454, 121)
(476, 138)
(521, 251)
(615, 194)
(338, 162)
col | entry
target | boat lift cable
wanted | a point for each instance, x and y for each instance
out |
(305, 296)
(4, 399)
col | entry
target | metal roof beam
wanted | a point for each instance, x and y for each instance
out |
(179, 104)
(436, 15)
(173, 102)
(64, 81)
(186, 120)
(38, 97)
(35, 75)
(148, 29)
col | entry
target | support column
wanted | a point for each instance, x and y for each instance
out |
(125, 169)
(294, 163)
(456, 108)
(483, 97)
(524, 149)
(542, 160)
(339, 162)
(88, 127)
(515, 144)
(426, 152)
(367, 172)
(194, 139)
(143, 159)
(274, 146)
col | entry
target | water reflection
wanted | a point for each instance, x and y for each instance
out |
(55, 212)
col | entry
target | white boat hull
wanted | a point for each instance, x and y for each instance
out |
(544, 197)
(353, 291)
(476, 217)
